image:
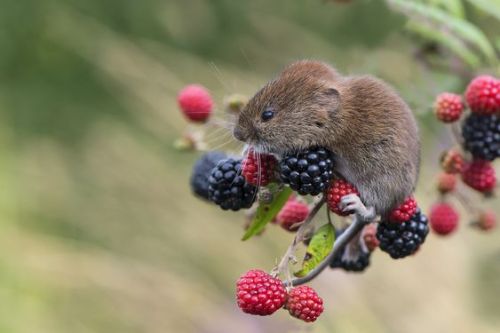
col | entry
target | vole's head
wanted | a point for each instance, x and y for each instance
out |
(294, 111)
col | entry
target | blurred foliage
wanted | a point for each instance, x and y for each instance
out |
(98, 230)
(444, 22)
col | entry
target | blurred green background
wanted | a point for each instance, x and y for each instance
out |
(98, 229)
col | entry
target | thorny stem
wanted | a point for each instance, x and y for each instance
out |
(283, 265)
(465, 201)
(339, 244)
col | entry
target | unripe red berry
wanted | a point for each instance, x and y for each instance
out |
(304, 303)
(195, 103)
(452, 161)
(447, 182)
(259, 293)
(443, 218)
(258, 169)
(370, 236)
(483, 95)
(403, 212)
(448, 107)
(337, 190)
(487, 220)
(292, 213)
(480, 175)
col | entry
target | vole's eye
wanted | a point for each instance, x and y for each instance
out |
(267, 114)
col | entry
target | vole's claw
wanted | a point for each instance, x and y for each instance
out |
(352, 203)
(349, 200)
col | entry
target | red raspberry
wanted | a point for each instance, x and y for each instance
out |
(483, 95)
(443, 218)
(487, 220)
(452, 161)
(259, 293)
(251, 166)
(446, 182)
(195, 102)
(337, 190)
(480, 175)
(369, 236)
(304, 303)
(403, 212)
(292, 213)
(448, 107)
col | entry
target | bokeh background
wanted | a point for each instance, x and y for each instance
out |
(98, 229)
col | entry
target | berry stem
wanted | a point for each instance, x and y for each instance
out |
(283, 266)
(466, 202)
(340, 243)
(457, 133)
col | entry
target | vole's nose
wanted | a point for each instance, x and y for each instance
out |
(239, 134)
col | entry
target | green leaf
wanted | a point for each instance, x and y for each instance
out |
(441, 20)
(266, 212)
(489, 7)
(320, 246)
(454, 7)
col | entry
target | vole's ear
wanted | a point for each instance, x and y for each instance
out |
(333, 98)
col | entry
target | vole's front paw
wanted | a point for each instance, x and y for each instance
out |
(352, 203)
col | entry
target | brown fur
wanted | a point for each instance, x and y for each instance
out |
(361, 119)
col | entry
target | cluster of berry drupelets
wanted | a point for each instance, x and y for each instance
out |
(259, 293)
(478, 145)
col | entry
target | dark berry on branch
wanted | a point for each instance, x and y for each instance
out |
(308, 172)
(228, 188)
(402, 239)
(482, 136)
(356, 263)
(202, 170)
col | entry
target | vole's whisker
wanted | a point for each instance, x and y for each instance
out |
(259, 170)
(217, 133)
(255, 155)
(222, 122)
(218, 76)
(218, 145)
(221, 145)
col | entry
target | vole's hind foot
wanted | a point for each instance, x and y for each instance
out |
(352, 203)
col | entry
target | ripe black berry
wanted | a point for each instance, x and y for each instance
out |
(402, 239)
(482, 136)
(308, 172)
(228, 188)
(351, 258)
(202, 169)
(354, 264)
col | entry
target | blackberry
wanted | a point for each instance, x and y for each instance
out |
(402, 239)
(482, 136)
(357, 264)
(202, 170)
(309, 171)
(228, 188)
(351, 258)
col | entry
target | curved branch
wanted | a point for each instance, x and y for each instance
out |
(340, 243)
